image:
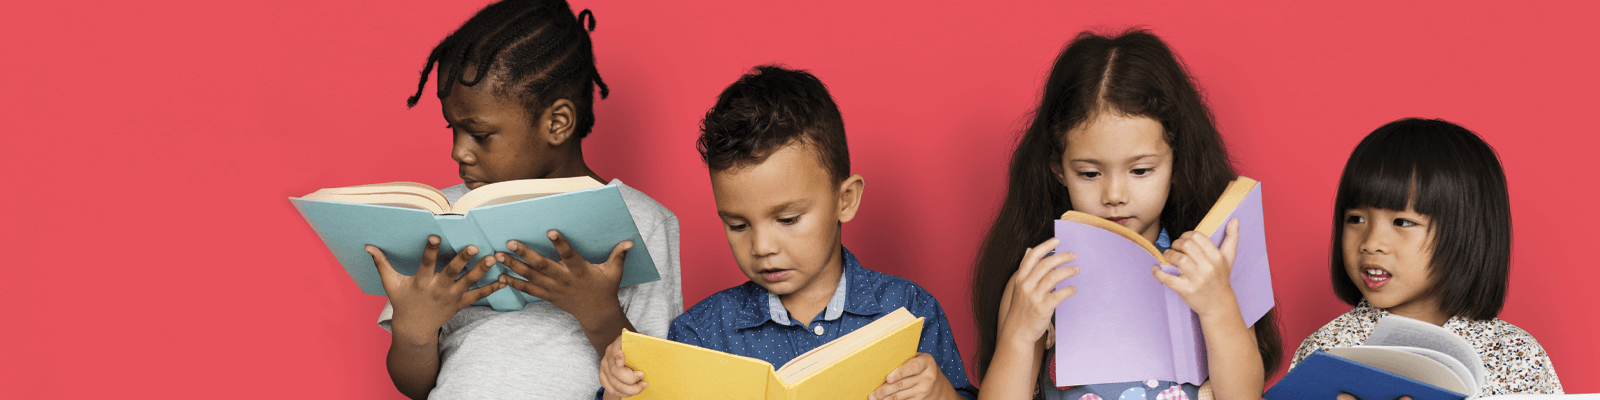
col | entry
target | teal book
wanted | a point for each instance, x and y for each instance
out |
(398, 218)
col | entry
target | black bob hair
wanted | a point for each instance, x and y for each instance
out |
(1448, 173)
(1133, 73)
(534, 51)
(767, 109)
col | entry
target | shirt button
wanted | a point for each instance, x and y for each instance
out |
(818, 330)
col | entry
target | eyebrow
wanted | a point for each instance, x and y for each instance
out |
(774, 210)
(1130, 159)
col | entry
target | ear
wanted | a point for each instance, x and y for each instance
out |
(559, 122)
(1058, 170)
(850, 197)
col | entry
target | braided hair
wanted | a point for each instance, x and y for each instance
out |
(535, 51)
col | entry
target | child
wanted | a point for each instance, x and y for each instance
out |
(516, 83)
(1122, 134)
(780, 172)
(1422, 221)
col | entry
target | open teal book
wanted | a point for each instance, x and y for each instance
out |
(398, 217)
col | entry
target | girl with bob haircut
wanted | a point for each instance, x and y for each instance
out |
(1422, 229)
(1123, 133)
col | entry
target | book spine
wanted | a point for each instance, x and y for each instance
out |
(460, 232)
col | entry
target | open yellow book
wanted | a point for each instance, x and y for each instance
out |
(849, 367)
(417, 195)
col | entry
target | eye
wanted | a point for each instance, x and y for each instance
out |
(1404, 222)
(1143, 171)
(1089, 174)
(1354, 219)
(738, 227)
(481, 137)
(789, 221)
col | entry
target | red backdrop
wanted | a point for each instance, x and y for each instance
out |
(150, 148)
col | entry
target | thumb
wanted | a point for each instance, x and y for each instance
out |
(1230, 241)
(619, 254)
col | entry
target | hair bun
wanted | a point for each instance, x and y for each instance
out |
(589, 15)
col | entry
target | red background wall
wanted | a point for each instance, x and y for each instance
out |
(185, 272)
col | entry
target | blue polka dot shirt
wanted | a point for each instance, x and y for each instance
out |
(748, 320)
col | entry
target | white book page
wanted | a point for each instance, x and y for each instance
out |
(1414, 362)
(1395, 330)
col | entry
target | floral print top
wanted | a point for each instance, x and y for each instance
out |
(1513, 361)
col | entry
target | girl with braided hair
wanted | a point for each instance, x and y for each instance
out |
(516, 83)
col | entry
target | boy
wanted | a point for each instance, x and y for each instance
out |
(780, 171)
(520, 114)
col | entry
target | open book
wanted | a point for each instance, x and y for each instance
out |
(1403, 357)
(397, 217)
(1123, 325)
(849, 367)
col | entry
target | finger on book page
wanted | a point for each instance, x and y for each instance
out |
(430, 256)
(538, 274)
(619, 254)
(1230, 241)
(536, 262)
(1167, 279)
(525, 287)
(453, 270)
(563, 249)
(476, 273)
(472, 296)
(385, 271)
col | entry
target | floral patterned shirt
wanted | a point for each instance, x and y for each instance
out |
(1512, 360)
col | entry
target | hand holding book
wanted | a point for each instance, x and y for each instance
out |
(424, 301)
(587, 291)
(1203, 271)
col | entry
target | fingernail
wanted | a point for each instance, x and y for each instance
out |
(511, 245)
(500, 257)
(552, 234)
(472, 250)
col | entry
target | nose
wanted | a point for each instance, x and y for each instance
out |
(1114, 192)
(1373, 241)
(763, 242)
(461, 151)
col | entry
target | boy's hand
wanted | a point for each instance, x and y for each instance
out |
(918, 378)
(1031, 297)
(425, 301)
(619, 380)
(587, 291)
(1203, 270)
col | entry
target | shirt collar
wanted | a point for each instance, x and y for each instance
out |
(853, 279)
(1163, 242)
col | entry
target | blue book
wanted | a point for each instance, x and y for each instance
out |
(1324, 376)
(1402, 357)
(398, 218)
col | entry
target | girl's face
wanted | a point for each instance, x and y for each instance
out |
(1386, 254)
(1119, 168)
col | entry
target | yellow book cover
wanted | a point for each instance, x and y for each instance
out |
(851, 366)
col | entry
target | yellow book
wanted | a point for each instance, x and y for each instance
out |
(849, 367)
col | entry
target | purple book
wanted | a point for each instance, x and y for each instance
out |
(1123, 325)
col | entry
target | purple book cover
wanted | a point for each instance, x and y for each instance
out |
(1123, 325)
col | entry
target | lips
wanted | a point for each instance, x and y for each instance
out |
(1119, 220)
(1374, 277)
(775, 275)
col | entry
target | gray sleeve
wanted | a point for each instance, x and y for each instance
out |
(650, 307)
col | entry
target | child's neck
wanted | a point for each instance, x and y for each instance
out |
(809, 302)
(572, 165)
(1426, 311)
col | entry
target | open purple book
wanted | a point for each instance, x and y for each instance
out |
(1123, 325)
